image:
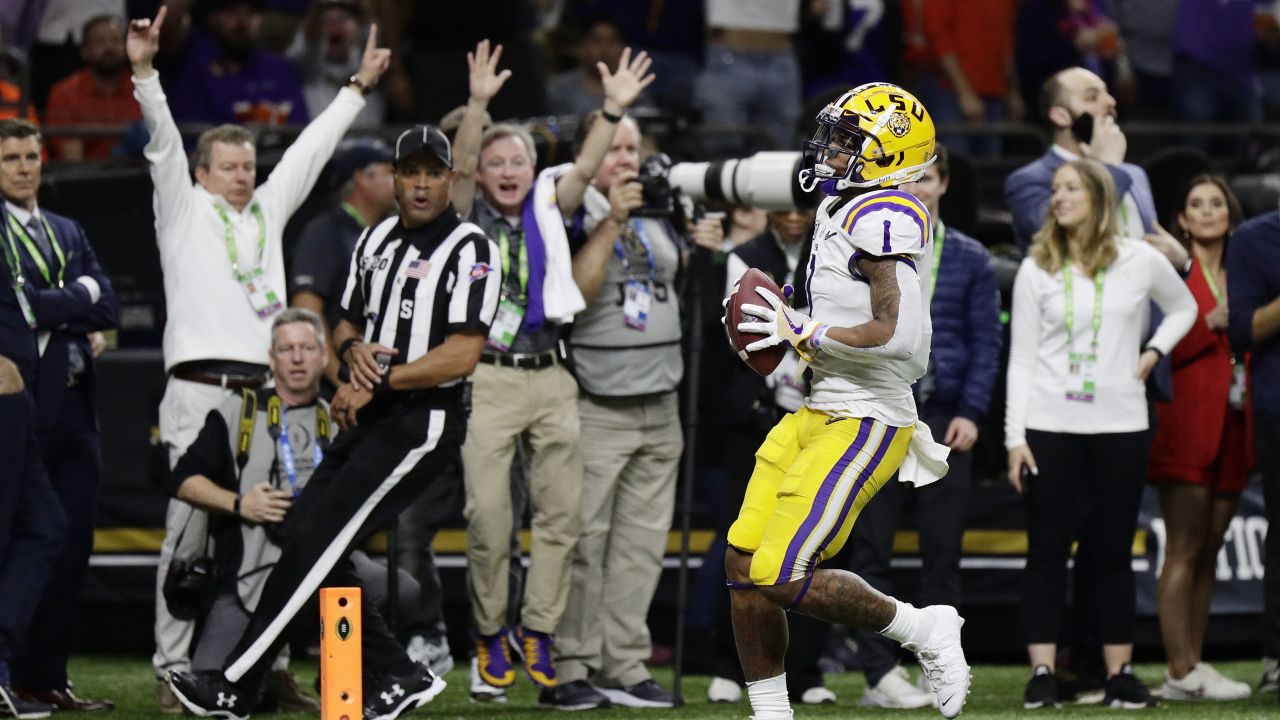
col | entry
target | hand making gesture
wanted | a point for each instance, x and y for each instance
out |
(143, 42)
(621, 88)
(485, 80)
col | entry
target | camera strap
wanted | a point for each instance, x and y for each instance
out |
(244, 435)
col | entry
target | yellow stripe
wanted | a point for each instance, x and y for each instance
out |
(914, 207)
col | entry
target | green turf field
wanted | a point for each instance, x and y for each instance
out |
(997, 693)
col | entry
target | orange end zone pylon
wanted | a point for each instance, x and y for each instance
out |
(340, 672)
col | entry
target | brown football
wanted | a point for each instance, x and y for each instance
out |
(764, 361)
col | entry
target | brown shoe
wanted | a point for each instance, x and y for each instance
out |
(166, 700)
(291, 698)
(64, 700)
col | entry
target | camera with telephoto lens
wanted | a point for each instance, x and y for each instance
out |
(189, 586)
(655, 185)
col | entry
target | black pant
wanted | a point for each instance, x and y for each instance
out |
(1088, 484)
(32, 524)
(940, 513)
(1266, 439)
(419, 524)
(369, 476)
(73, 461)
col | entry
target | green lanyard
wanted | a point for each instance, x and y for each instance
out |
(354, 213)
(504, 249)
(1070, 317)
(939, 231)
(230, 235)
(33, 250)
(1213, 285)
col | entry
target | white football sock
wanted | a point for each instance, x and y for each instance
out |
(769, 699)
(909, 625)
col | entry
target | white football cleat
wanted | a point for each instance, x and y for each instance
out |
(895, 690)
(942, 659)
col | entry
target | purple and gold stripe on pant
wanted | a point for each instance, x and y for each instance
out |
(835, 499)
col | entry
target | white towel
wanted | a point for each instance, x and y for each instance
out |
(926, 460)
(561, 299)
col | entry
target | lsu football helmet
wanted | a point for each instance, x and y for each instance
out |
(884, 133)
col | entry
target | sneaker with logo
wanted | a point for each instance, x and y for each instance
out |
(575, 695)
(644, 694)
(389, 695)
(493, 657)
(942, 659)
(481, 691)
(1270, 681)
(818, 695)
(1212, 684)
(208, 693)
(724, 690)
(1042, 689)
(1125, 691)
(895, 690)
(534, 649)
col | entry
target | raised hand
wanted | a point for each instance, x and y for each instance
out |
(143, 42)
(485, 80)
(375, 60)
(625, 85)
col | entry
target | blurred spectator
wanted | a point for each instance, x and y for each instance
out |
(963, 57)
(99, 94)
(1215, 74)
(580, 90)
(215, 71)
(13, 105)
(1146, 26)
(752, 76)
(626, 349)
(848, 44)
(1202, 453)
(326, 51)
(744, 224)
(56, 51)
(953, 396)
(1253, 266)
(1052, 35)
(1076, 415)
(361, 169)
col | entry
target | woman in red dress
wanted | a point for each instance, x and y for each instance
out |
(1202, 452)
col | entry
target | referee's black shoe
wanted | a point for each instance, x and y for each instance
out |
(389, 695)
(208, 693)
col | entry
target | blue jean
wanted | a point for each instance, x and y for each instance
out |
(757, 89)
(943, 104)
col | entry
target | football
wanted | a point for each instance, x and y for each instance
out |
(763, 361)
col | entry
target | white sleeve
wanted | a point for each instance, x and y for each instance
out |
(735, 268)
(1024, 348)
(296, 173)
(1175, 300)
(888, 222)
(166, 156)
(906, 332)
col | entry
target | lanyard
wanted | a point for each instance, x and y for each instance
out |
(230, 236)
(1213, 284)
(504, 249)
(648, 249)
(939, 232)
(1069, 318)
(15, 228)
(275, 416)
(354, 213)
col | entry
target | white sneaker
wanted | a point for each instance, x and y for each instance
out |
(896, 691)
(942, 659)
(1214, 684)
(435, 654)
(1270, 681)
(482, 691)
(818, 695)
(724, 690)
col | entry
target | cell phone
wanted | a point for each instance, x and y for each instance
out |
(1082, 128)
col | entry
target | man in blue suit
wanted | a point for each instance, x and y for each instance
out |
(69, 298)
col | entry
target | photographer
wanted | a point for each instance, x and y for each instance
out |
(626, 348)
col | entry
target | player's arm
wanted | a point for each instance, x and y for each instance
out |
(893, 331)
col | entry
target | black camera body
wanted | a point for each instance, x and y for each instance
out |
(655, 184)
(190, 586)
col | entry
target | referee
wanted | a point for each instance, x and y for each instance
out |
(420, 295)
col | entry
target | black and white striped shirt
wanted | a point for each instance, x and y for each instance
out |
(411, 288)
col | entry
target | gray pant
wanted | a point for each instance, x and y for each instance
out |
(631, 455)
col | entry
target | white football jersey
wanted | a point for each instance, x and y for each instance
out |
(884, 222)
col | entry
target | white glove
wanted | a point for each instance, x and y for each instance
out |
(780, 323)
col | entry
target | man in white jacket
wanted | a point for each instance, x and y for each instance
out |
(220, 250)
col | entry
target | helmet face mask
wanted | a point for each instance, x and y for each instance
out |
(876, 135)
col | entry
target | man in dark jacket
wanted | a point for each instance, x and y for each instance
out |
(953, 398)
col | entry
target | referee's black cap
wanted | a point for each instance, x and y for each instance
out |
(424, 138)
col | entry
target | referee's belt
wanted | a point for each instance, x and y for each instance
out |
(224, 374)
(532, 361)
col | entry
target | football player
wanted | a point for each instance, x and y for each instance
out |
(867, 341)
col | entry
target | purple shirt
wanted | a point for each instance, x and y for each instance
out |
(201, 88)
(1218, 33)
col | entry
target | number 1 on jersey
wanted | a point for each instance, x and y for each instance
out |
(888, 246)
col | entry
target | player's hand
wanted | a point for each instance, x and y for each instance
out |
(362, 360)
(484, 78)
(1147, 362)
(623, 87)
(265, 504)
(625, 195)
(962, 433)
(375, 60)
(143, 42)
(780, 322)
(347, 403)
(1108, 143)
(1020, 458)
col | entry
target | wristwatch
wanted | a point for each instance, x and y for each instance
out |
(363, 87)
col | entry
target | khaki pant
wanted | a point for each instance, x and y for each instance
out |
(541, 405)
(631, 455)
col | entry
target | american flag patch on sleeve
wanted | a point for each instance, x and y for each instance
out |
(419, 269)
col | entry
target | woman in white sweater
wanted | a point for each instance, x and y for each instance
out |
(1076, 419)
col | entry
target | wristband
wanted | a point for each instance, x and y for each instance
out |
(345, 346)
(610, 117)
(815, 340)
(235, 507)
